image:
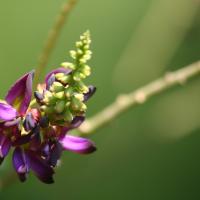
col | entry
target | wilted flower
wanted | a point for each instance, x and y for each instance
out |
(38, 130)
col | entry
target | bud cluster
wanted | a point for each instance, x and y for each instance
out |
(63, 98)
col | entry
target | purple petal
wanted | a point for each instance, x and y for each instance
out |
(55, 155)
(38, 96)
(29, 122)
(77, 144)
(50, 81)
(14, 122)
(5, 145)
(59, 70)
(45, 150)
(40, 167)
(21, 163)
(7, 112)
(19, 96)
(89, 94)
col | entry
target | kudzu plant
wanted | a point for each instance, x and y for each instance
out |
(38, 129)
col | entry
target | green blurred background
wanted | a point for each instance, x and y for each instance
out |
(149, 152)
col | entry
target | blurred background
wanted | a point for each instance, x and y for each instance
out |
(150, 152)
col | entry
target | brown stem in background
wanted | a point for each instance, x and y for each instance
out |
(52, 38)
(125, 101)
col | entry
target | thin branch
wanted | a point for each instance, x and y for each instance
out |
(125, 101)
(52, 38)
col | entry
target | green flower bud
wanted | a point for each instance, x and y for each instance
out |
(80, 52)
(79, 44)
(88, 52)
(77, 105)
(68, 65)
(59, 75)
(87, 57)
(60, 95)
(77, 76)
(48, 94)
(82, 87)
(86, 47)
(79, 96)
(65, 79)
(86, 70)
(68, 116)
(47, 109)
(57, 86)
(68, 104)
(73, 54)
(49, 98)
(60, 106)
(83, 107)
(68, 92)
(83, 60)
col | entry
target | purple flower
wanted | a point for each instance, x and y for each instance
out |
(15, 106)
(38, 138)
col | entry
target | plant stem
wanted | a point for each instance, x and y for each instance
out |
(52, 38)
(125, 101)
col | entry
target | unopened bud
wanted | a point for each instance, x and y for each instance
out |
(68, 92)
(60, 95)
(65, 79)
(59, 75)
(57, 87)
(73, 54)
(68, 116)
(68, 65)
(86, 70)
(79, 44)
(59, 107)
(82, 87)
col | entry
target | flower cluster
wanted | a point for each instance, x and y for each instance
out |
(38, 129)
